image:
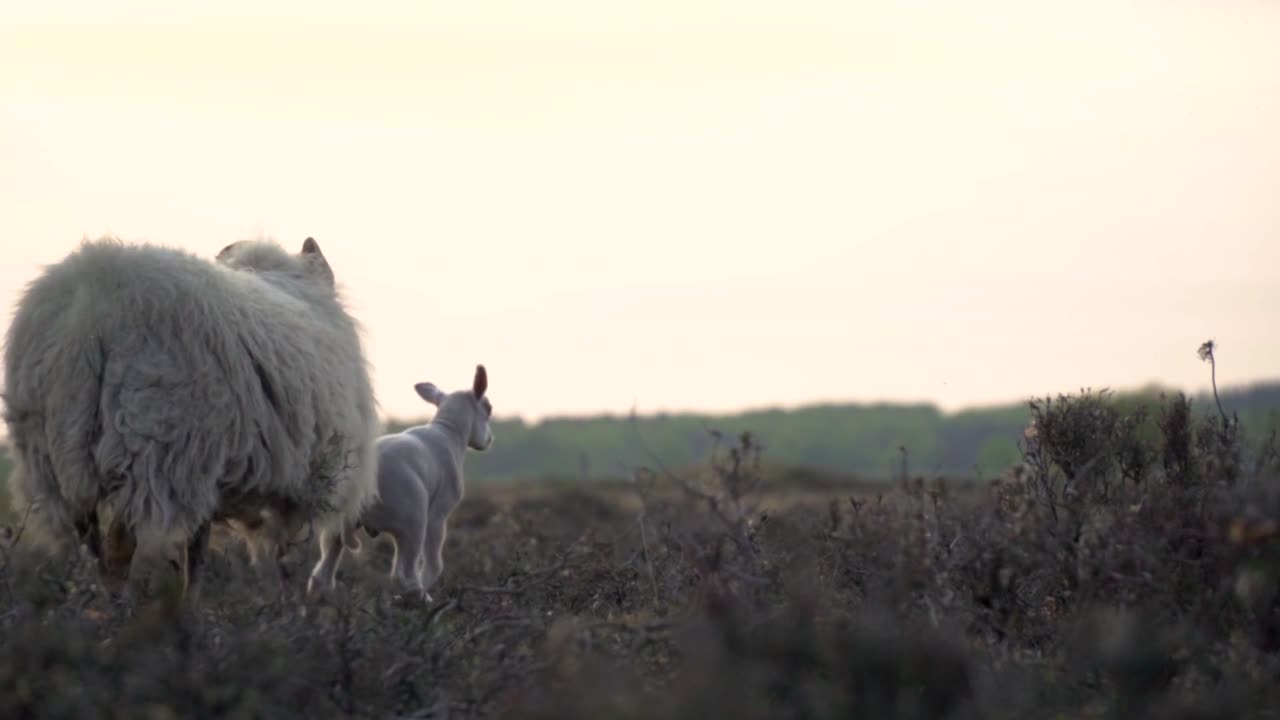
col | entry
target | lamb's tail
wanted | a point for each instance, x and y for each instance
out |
(350, 540)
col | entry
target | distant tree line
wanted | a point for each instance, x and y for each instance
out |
(866, 441)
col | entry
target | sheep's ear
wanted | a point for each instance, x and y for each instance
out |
(311, 253)
(429, 392)
(481, 382)
(224, 252)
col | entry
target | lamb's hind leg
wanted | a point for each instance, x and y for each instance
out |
(433, 554)
(404, 567)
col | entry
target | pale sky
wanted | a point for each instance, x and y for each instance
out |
(685, 204)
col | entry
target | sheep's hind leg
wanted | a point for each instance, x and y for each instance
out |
(192, 560)
(88, 532)
(264, 538)
(326, 570)
(117, 555)
(264, 559)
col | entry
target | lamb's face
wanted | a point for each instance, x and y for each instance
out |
(473, 405)
(481, 434)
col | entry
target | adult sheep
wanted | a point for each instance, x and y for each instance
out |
(169, 392)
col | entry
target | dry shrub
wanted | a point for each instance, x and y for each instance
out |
(1128, 569)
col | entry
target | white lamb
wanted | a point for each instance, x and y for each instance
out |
(419, 484)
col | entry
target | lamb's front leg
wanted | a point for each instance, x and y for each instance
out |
(326, 570)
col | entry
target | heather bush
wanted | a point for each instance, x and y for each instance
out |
(1127, 568)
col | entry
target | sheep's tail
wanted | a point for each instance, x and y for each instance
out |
(350, 540)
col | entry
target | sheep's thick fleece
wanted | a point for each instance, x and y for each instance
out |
(171, 384)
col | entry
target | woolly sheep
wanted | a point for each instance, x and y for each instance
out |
(169, 392)
(420, 482)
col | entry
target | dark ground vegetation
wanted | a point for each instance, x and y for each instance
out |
(1127, 569)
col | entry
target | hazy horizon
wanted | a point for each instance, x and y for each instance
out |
(700, 206)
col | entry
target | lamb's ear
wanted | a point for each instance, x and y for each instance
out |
(429, 392)
(481, 382)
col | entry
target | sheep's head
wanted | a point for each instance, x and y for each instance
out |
(473, 405)
(267, 256)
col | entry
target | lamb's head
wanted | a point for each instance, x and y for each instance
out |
(268, 257)
(467, 411)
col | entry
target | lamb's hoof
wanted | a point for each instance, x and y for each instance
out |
(318, 584)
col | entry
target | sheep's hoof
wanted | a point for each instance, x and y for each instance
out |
(410, 598)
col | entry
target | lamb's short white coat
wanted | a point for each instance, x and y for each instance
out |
(420, 482)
